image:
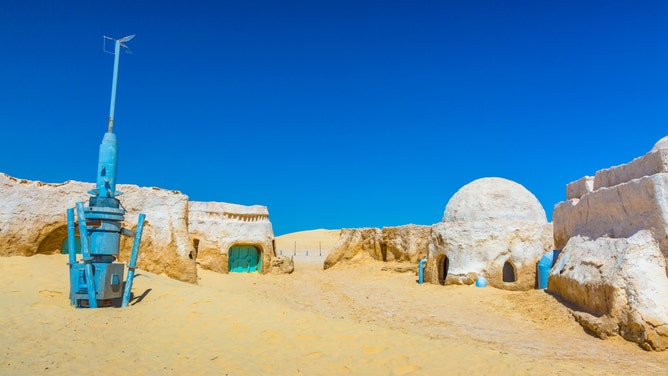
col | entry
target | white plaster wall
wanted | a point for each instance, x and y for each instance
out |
(219, 226)
(616, 212)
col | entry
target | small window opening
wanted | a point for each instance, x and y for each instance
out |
(509, 272)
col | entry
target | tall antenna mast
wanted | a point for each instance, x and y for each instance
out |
(117, 49)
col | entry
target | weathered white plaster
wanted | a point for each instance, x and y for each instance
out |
(486, 224)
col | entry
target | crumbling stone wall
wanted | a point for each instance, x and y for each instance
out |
(400, 243)
(614, 240)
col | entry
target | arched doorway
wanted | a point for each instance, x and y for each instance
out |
(244, 259)
(443, 266)
(53, 241)
(509, 274)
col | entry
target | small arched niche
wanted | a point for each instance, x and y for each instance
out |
(509, 272)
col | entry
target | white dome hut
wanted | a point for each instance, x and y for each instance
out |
(492, 227)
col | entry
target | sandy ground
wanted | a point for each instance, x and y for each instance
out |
(351, 319)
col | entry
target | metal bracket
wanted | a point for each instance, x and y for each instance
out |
(127, 232)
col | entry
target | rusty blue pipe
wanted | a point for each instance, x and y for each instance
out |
(133, 261)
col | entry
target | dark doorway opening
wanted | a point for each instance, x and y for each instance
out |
(383, 251)
(443, 266)
(509, 272)
(193, 254)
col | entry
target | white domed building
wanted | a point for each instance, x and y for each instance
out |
(494, 228)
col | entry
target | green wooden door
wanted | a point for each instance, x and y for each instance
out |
(243, 259)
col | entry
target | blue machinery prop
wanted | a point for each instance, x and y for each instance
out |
(97, 280)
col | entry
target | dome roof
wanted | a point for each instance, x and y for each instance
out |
(661, 144)
(493, 198)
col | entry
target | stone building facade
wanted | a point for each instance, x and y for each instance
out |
(177, 233)
(612, 231)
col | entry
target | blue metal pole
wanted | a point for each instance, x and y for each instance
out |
(117, 50)
(70, 237)
(133, 261)
(88, 267)
(71, 243)
(421, 270)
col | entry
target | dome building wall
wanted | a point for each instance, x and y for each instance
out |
(494, 228)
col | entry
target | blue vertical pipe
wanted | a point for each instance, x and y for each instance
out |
(88, 267)
(70, 238)
(133, 261)
(421, 270)
(117, 50)
(71, 251)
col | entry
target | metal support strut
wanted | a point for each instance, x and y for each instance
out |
(133, 261)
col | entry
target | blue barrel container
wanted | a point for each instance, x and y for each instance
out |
(544, 266)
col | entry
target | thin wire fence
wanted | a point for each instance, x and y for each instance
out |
(304, 251)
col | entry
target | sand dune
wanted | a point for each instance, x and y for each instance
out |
(307, 246)
(351, 319)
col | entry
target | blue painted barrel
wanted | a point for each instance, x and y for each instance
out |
(544, 266)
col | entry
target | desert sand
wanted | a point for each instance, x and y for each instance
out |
(361, 318)
(318, 243)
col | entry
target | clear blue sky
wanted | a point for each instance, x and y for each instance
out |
(334, 113)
